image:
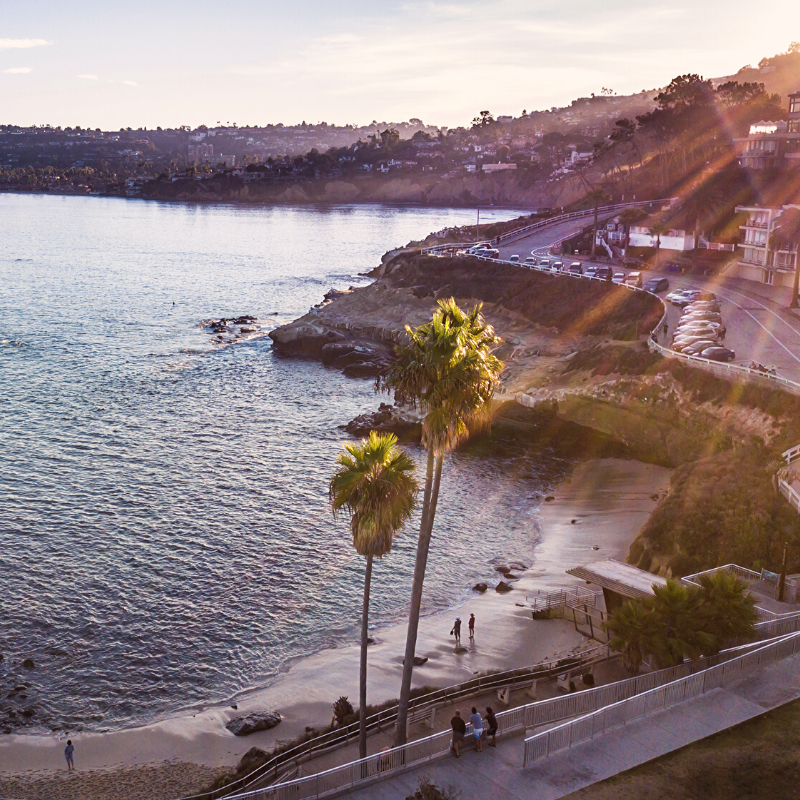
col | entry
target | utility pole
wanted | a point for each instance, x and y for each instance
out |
(782, 580)
(478, 226)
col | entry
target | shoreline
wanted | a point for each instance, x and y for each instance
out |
(609, 499)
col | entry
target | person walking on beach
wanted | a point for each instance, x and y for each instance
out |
(68, 751)
(459, 731)
(457, 631)
(477, 728)
(491, 721)
(471, 625)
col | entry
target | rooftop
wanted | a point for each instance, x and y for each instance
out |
(620, 578)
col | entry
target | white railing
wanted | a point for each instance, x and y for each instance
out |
(559, 598)
(550, 221)
(619, 713)
(398, 759)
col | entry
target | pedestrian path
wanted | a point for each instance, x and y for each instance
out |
(498, 773)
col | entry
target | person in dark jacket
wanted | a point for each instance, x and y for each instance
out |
(457, 631)
(459, 731)
(491, 724)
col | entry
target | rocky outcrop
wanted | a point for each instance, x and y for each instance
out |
(255, 721)
(403, 422)
(230, 330)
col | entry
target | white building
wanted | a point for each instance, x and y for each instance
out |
(499, 167)
(758, 261)
(672, 239)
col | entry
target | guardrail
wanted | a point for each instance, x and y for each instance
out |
(398, 759)
(551, 221)
(619, 713)
(277, 766)
(560, 598)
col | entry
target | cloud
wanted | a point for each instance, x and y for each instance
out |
(88, 77)
(17, 70)
(126, 83)
(21, 44)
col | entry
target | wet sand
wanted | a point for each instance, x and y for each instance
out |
(609, 500)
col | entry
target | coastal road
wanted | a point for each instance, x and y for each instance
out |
(541, 240)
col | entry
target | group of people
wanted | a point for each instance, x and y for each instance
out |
(456, 631)
(459, 727)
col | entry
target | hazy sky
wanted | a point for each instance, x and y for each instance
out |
(147, 63)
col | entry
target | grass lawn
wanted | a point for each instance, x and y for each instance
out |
(757, 759)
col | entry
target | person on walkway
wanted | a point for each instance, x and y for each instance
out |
(477, 728)
(457, 631)
(666, 331)
(68, 751)
(459, 731)
(491, 722)
(471, 625)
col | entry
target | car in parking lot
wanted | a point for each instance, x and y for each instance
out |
(557, 266)
(590, 271)
(632, 261)
(688, 296)
(530, 261)
(575, 268)
(692, 327)
(545, 263)
(491, 253)
(655, 285)
(514, 259)
(702, 316)
(619, 277)
(697, 347)
(718, 353)
(678, 294)
(604, 273)
(634, 279)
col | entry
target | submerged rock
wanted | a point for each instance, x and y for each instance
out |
(28, 663)
(255, 721)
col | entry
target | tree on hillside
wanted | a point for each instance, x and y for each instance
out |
(485, 118)
(628, 217)
(786, 236)
(374, 483)
(596, 197)
(448, 370)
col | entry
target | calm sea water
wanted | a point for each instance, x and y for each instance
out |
(164, 533)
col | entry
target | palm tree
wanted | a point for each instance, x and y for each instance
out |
(596, 197)
(374, 483)
(628, 217)
(631, 629)
(656, 229)
(678, 631)
(786, 236)
(448, 370)
(729, 613)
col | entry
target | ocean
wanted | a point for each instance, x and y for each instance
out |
(165, 538)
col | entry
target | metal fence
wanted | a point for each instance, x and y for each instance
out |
(625, 709)
(398, 759)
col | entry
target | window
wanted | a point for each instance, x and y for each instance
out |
(794, 105)
(794, 126)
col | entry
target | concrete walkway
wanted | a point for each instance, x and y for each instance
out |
(498, 773)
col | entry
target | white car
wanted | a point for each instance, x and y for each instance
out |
(619, 277)
(530, 261)
(678, 294)
(545, 262)
(514, 259)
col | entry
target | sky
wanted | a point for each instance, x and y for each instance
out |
(255, 62)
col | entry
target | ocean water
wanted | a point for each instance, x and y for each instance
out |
(164, 534)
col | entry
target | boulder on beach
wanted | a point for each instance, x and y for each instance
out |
(480, 587)
(254, 757)
(503, 587)
(28, 663)
(255, 721)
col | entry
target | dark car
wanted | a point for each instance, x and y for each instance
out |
(605, 273)
(718, 354)
(655, 285)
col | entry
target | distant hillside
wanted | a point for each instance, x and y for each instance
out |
(779, 74)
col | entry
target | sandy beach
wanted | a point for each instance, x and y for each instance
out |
(601, 506)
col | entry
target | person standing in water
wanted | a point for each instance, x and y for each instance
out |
(457, 631)
(68, 751)
(471, 625)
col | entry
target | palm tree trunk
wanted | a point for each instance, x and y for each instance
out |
(416, 601)
(362, 684)
(594, 232)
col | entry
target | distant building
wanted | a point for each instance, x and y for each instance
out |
(759, 262)
(198, 153)
(773, 144)
(679, 239)
(499, 167)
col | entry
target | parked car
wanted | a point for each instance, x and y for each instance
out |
(711, 305)
(491, 253)
(632, 261)
(590, 271)
(634, 279)
(710, 327)
(718, 353)
(575, 268)
(702, 316)
(477, 249)
(698, 347)
(557, 266)
(678, 294)
(706, 296)
(545, 262)
(604, 273)
(655, 285)
(530, 261)
(514, 259)
(689, 296)
(619, 277)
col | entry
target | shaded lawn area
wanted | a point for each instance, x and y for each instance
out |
(757, 759)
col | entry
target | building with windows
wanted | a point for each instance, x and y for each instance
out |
(758, 261)
(773, 144)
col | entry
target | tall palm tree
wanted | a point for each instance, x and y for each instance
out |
(729, 613)
(374, 483)
(596, 196)
(447, 369)
(786, 236)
